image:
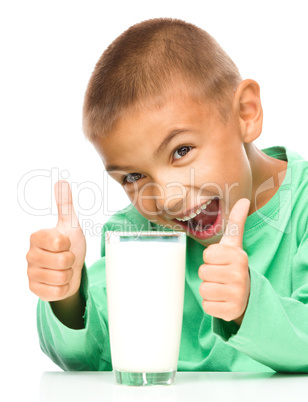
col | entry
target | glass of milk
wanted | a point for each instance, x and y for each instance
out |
(145, 275)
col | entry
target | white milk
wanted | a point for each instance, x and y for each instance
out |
(145, 291)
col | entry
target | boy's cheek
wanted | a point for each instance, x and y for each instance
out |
(147, 209)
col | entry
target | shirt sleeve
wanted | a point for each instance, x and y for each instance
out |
(84, 349)
(274, 330)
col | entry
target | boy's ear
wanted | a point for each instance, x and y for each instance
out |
(247, 105)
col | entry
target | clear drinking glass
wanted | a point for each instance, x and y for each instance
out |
(145, 275)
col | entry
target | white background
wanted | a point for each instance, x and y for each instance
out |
(48, 51)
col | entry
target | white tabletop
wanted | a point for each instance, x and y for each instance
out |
(194, 387)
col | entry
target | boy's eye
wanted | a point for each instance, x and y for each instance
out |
(132, 177)
(180, 152)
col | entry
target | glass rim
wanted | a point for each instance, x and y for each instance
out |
(117, 233)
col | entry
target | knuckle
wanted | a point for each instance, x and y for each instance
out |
(57, 242)
(60, 291)
(33, 288)
(202, 290)
(33, 237)
(245, 259)
(37, 236)
(28, 256)
(29, 273)
(61, 242)
(61, 278)
(228, 314)
(206, 307)
(65, 276)
(71, 258)
(57, 278)
(237, 276)
(216, 247)
(242, 256)
(62, 261)
(201, 271)
(210, 250)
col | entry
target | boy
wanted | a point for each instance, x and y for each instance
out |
(174, 124)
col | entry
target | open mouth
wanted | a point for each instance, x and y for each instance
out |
(204, 222)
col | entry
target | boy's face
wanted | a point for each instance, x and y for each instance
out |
(173, 160)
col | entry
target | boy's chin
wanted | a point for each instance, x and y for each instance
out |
(200, 237)
(203, 237)
(206, 242)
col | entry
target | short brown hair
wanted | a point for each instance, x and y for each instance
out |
(145, 61)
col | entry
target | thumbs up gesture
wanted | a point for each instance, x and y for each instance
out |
(56, 256)
(226, 283)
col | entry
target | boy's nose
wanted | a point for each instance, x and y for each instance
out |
(170, 197)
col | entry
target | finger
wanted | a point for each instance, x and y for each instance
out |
(51, 240)
(48, 292)
(50, 276)
(219, 254)
(67, 218)
(50, 260)
(215, 273)
(233, 235)
(217, 309)
(214, 291)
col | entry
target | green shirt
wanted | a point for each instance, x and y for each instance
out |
(274, 333)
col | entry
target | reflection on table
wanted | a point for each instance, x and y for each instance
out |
(201, 386)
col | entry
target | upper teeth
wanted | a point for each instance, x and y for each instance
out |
(194, 214)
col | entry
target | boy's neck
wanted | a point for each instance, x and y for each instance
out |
(263, 168)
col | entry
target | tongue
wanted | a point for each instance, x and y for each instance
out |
(206, 218)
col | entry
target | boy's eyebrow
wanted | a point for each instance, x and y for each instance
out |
(169, 137)
(161, 147)
(111, 168)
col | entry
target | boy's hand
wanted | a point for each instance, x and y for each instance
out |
(56, 256)
(226, 282)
